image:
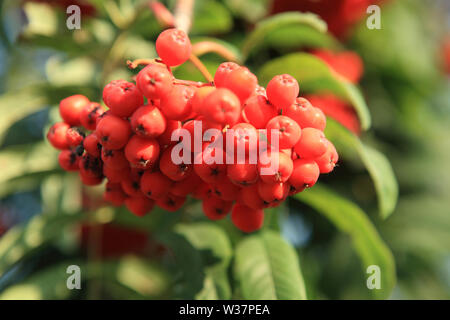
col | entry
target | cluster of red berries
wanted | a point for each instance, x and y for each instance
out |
(132, 144)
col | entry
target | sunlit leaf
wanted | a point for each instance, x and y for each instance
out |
(267, 267)
(350, 219)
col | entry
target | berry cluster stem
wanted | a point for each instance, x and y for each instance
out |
(183, 14)
(201, 67)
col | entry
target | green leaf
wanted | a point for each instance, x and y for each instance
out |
(21, 240)
(257, 37)
(202, 255)
(211, 17)
(142, 278)
(267, 267)
(350, 219)
(250, 10)
(376, 163)
(314, 75)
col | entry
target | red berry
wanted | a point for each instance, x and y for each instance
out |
(275, 166)
(139, 205)
(312, 144)
(114, 194)
(113, 132)
(148, 121)
(142, 153)
(114, 159)
(222, 71)
(74, 137)
(175, 172)
(221, 106)
(122, 97)
(115, 175)
(287, 130)
(241, 82)
(131, 184)
(71, 107)
(68, 160)
(92, 145)
(273, 192)
(306, 116)
(154, 81)
(90, 180)
(206, 168)
(176, 104)
(242, 174)
(90, 166)
(215, 208)
(165, 138)
(251, 198)
(57, 135)
(247, 219)
(186, 186)
(170, 202)
(328, 160)
(89, 115)
(258, 111)
(155, 185)
(282, 90)
(305, 174)
(173, 47)
(225, 190)
(245, 138)
(202, 191)
(199, 97)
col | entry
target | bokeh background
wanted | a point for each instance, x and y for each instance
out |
(49, 221)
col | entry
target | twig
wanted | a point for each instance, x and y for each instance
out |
(202, 47)
(201, 67)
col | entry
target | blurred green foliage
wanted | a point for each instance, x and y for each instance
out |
(402, 103)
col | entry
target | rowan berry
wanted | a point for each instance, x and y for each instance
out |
(154, 81)
(242, 174)
(176, 104)
(206, 168)
(57, 135)
(247, 219)
(198, 98)
(173, 47)
(170, 202)
(216, 208)
(165, 139)
(114, 194)
(245, 138)
(251, 198)
(122, 97)
(282, 90)
(275, 166)
(186, 186)
(92, 145)
(90, 180)
(225, 190)
(148, 121)
(115, 159)
(258, 111)
(90, 166)
(139, 205)
(115, 175)
(71, 107)
(202, 191)
(328, 160)
(241, 82)
(155, 185)
(285, 129)
(306, 116)
(113, 132)
(68, 160)
(131, 184)
(142, 153)
(305, 174)
(173, 171)
(222, 71)
(74, 136)
(221, 106)
(312, 144)
(89, 115)
(273, 192)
